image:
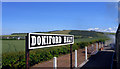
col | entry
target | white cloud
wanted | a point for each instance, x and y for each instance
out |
(90, 29)
(96, 28)
(112, 30)
(109, 28)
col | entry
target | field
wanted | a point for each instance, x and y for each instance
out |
(13, 46)
(80, 36)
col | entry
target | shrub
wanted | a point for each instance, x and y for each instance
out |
(17, 60)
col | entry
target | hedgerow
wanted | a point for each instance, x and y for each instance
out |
(17, 60)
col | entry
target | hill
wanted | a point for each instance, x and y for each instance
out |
(79, 35)
(82, 33)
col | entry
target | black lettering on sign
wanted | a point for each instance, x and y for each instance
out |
(40, 40)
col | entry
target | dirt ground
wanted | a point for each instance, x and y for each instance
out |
(64, 60)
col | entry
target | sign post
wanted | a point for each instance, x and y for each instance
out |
(40, 40)
(70, 56)
(27, 53)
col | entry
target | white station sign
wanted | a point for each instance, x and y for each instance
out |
(40, 40)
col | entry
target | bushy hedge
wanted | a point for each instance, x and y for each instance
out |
(17, 60)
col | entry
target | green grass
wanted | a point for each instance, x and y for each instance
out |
(84, 40)
(110, 33)
(13, 46)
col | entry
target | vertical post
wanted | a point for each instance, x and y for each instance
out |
(55, 63)
(105, 43)
(102, 44)
(92, 47)
(86, 53)
(97, 47)
(75, 58)
(27, 53)
(70, 56)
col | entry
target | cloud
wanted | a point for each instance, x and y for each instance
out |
(112, 30)
(109, 28)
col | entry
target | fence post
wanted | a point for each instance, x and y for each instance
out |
(92, 47)
(102, 44)
(75, 58)
(97, 47)
(54, 63)
(86, 53)
(105, 43)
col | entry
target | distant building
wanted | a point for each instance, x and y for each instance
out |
(18, 38)
(7, 37)
(14, 37)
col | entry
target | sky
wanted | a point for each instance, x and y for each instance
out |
(60, 0)
(26, 17)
